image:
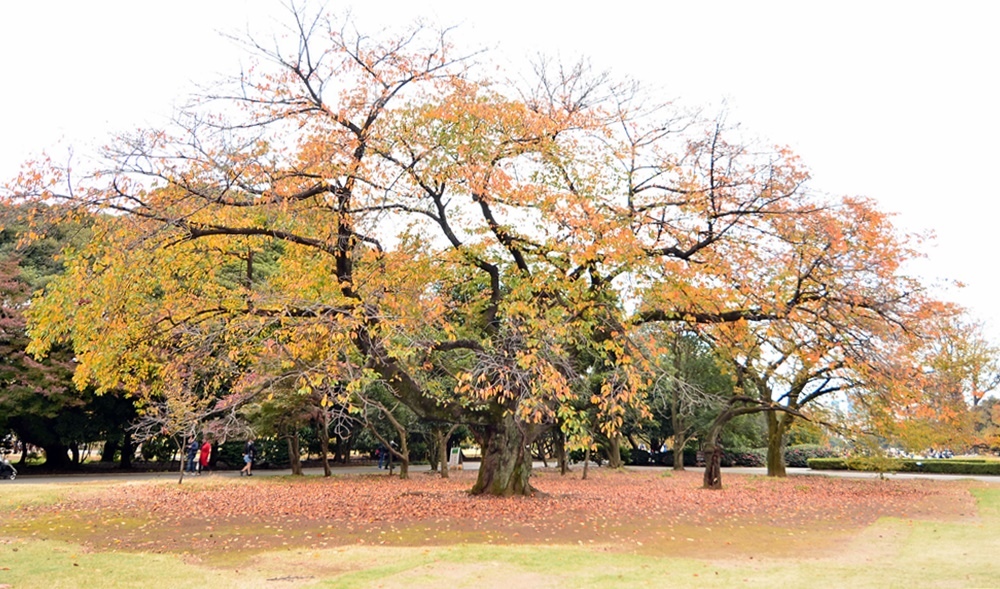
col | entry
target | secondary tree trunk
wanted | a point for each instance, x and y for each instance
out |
(403, 454)
(56, 455)
(324, 442)
(127, 450)
(180, 471)
(713, 446)
(615, 452)
(560, 451)
(713, 451)
(441, 449)
(294, 453)
(777, 426)
(111, 446)
(342, 449)
(506, 465)
(441, 456)
(713, 465)
(679, 452)
(679, 431)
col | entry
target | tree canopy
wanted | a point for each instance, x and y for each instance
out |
(477, 247)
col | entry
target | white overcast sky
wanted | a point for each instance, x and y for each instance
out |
(893, 100)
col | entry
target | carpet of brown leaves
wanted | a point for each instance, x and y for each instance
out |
(638, 508)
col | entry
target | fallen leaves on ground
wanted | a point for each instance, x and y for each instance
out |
(607, 508)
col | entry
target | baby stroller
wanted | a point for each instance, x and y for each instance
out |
(7, 470)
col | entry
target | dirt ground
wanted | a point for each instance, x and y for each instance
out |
(640, 511)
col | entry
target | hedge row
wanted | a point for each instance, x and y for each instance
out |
(935, 466)
(795, 456)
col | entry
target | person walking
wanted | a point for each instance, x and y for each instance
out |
(383, 455)
(249, 454)
(206, 452)
(192, 455)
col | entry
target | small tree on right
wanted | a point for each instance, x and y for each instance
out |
(853, 307)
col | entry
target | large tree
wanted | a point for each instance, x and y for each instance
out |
(476, 248)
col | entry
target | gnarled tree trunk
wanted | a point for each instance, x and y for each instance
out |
(713, 446)
(506, 465)
(777, 427)
(713, 457)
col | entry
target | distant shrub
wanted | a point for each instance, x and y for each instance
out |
(230, 454)
(602, 453)
(577, 455)
(798, 456)
(159, 449)
(269, 452)
(667, 458)
(744, 457)
(419, 451)
(272, 452)
(827, 464)
(639, 458)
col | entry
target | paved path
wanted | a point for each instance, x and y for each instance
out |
(853, 474)
(374, 470)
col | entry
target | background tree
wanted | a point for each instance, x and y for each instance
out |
(37, 397)
(987, 424)
(951, 369)
(689, 391)
(966, 365)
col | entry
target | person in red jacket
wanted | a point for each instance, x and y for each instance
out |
(206, 452)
